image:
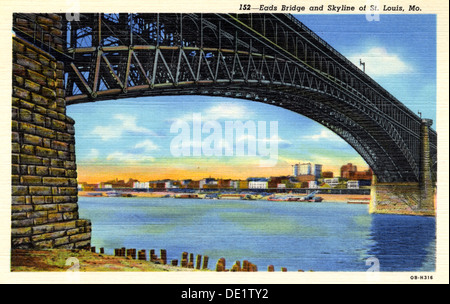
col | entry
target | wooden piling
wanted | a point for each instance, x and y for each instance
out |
(184, 263)
(221, 265)
(102, 250)
(131, 253)
(142, 255)
(270, 268)
(174, 262)
(93, 249)
(253, 268)
(236, 267)
(198, 262)
(205, 262)
(163, 256)
(191, 258)
(283, 269)
(152, 254)
(245, 266)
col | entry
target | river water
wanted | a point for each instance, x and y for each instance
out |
(307, 236)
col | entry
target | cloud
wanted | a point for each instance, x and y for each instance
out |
(221, 111)
(107, 133)
(323, 135)
(124, 124)
(227, 111)
(380, 62)
(129, 157)
(146, 145)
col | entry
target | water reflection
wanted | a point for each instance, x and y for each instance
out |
(403, 243)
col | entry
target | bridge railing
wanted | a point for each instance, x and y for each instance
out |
(43, 30)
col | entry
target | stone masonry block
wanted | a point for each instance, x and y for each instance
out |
(40, 190)
(32, 86)
(55, 181)
(25, 231)
(21, 208)
(39, 99)
(27, 128)
(68, 207)
(30, 180)
(19, 190)
(30, 160)
(28, 63)
(37, 77)
(80, 237)
(32, 139)
(45, 152)
(49, 93)
(21, 93)
(45, 132)
(47, 236)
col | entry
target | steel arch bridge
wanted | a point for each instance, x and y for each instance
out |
(269, 58)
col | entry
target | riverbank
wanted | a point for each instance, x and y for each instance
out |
(64, 260)
(337, 198)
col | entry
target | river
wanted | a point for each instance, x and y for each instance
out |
(307, 236)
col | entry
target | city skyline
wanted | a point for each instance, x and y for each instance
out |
(131, 137)
(289, 175)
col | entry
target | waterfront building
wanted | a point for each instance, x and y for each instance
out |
(103, 185)
(243, 184)
(258, 183)
(208, 183)
(141, 185)
(312, 184)
(333, 182)
(327, 174)
(352, 184)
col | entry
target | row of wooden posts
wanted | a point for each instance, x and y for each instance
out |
(187, 260)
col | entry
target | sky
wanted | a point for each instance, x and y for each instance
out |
(132, 138)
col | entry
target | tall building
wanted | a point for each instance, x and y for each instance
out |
(348, 170)
(295, 170)
(317, 171)
(305, 169)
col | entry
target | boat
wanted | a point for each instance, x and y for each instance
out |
(230, 196)
(311, 197)
(112, 194)
(279, 198)
(127, 195)
(361, 201)
(94, 194)
(249, 197)
(186, 196)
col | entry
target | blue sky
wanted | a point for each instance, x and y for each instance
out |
(131, 137)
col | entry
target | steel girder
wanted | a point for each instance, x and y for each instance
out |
(262, 57)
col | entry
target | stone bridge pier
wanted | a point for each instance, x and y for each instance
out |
(44, 209)
(408, 198)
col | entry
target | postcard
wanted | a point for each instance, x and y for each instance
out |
(304, 142)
